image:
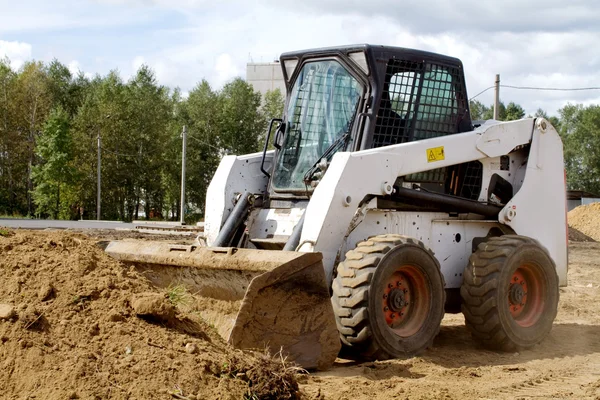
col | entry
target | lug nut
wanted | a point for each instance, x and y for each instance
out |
(393, 315)
(390, 286)
(398, 283)
(385, 295)
(385, 308)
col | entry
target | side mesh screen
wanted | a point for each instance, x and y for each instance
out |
(398, 100)
(419, 101)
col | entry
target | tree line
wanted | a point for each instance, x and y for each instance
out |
(50, 121)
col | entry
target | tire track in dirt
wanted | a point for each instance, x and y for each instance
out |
(560, 383)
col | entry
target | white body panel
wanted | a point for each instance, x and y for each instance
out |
(351, 176)
(537, 209)
(273, 222)
(235, 174)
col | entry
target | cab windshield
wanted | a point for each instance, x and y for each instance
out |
(322, 106)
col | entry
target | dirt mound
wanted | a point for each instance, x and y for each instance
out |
(576, 236)
(77, 324)
(586, 220)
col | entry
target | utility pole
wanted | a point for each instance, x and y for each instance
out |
(99, 178)
(183, 155)
(497, 97)
(98, 191)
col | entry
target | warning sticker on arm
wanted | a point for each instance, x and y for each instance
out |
(435, 154)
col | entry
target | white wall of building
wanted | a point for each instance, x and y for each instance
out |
(265, 76)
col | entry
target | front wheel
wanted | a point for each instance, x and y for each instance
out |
(388, 297)
(510, 293)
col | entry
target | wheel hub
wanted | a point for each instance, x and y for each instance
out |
(516, 294)
(396, 300)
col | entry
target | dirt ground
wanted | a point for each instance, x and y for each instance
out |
(76, 324)
(77, 330)
(565, 365)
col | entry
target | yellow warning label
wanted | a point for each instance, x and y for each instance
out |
(435, 154)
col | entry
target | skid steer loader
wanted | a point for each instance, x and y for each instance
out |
(382, 206)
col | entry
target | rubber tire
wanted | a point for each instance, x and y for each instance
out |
(357, 292)
(485, 286)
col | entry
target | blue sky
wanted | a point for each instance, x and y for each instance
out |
(530, 43)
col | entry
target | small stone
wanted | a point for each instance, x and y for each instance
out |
(191, 348)
(128, 350)
(6, 311)
(516, 354)
(46, 292)
(191, 397)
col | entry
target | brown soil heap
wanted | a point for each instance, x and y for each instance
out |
(586, 220)
(76, 324)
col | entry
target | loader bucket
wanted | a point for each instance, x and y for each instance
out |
(285, 302)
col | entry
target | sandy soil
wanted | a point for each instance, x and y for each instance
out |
(77, 324)
(75, 334)
(586, 220)
(565, 365)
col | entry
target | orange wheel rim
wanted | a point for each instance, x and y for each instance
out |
(526, 295)
(406, 299)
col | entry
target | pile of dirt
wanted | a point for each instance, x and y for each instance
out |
(576, 236)
(75, 323)
(585, 220)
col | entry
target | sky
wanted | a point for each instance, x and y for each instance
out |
(549, 43)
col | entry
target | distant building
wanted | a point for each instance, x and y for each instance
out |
(265, 76)
(576, 198)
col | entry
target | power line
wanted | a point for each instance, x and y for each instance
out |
(203, 142)
(482, 92)
(539, 88)
(551, 88)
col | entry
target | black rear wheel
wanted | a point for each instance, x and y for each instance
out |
(388, 297)
(510, 293)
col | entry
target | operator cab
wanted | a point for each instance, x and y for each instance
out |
(361, 97)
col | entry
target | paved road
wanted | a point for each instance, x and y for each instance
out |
(47, 223)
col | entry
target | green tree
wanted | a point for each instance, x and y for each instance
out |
(33, 103)
(201, 113)
(272, 107)
(13, 146)
(240, 120)
(478, 110)
(580, 132)
(513, 112)
(510, 112)
(56, 173)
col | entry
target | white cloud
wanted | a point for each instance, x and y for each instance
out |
(225, 69)
(533, 43)
(74, 67)
(17, 52)
(137, 62)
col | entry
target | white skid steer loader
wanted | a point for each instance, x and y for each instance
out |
(382, 206)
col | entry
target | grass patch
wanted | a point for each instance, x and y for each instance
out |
(178, 295)
(5, 232)
(14, 216)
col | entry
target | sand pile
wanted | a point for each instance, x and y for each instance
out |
(585, 220)
(76, 324)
